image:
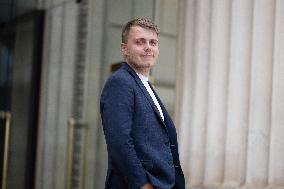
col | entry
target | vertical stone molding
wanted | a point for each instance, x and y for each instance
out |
(260, 95)
(230, 93)
(184, 78)
(276, 158)
(217, 94)
(238, 93)
(78, 162)
(200, 91)
(59, 48)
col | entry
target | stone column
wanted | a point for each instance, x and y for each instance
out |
(59, 47)
(184, 79)
(276, 158)
(260, 97)
(230, 94)
(238, 93)
(200, 90)
(217, 94)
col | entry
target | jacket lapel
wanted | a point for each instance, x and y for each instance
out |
(144, 90)
(167, 118)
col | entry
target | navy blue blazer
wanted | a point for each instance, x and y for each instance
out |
(141, 146)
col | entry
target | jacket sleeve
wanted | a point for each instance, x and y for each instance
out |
(117, 106)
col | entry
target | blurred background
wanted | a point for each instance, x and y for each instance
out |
(220, 74)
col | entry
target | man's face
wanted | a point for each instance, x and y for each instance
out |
(141, 49)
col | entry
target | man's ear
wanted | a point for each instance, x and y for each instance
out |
(123, 48)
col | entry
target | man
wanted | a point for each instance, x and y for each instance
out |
(140, 135)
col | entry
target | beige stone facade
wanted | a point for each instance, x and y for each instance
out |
(229, 94)
(220, 74)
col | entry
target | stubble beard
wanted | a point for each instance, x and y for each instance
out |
(140, 66)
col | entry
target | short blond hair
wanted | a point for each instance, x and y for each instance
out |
(142, 22)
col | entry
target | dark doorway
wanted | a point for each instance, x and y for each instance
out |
(20, 69)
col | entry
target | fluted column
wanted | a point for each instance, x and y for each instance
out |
(184, 80)
(276, 159)
(59, 47)
(230, 94)
(260, 97)
(200, 76)
(238, 93)
(217, 96)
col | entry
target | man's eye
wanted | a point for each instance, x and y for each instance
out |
(154, 43)
(139, 42)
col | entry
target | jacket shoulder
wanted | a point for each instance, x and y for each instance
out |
(120, 77)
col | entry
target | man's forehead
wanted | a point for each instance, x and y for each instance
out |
(140, 28)
(139, 32)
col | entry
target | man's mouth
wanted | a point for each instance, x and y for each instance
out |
(147, 55)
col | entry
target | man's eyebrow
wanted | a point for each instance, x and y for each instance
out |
(142, 38)
(139, 38)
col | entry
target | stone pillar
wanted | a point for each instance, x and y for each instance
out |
(230, 93)
(217, 94)
(238, 93)
(200, 91)
(260, 94)
(59, 47)
(276, 158)
(184, 78)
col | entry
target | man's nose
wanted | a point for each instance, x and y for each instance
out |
(147, 46)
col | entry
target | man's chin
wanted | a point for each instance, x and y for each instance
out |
(148, 64)
(143, 65)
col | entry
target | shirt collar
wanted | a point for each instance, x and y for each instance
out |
(143, 77)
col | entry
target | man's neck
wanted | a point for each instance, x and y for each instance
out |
(144, 71)
(143, 77)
